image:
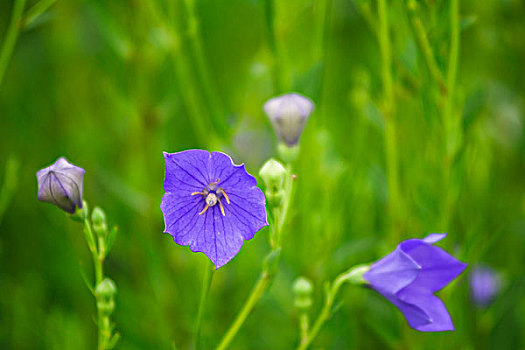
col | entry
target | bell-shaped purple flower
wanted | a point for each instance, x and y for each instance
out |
(485, 284)
(61, 184)
(289, 114)
(410, 275)
(211, 204)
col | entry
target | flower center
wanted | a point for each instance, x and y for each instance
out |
(212, 195)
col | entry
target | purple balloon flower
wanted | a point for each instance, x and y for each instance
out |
(485, 284)
(211, 204)
(61, 184)
(410, 275)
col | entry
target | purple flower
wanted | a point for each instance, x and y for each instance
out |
(211, 204)
(289, 114)
(410, 275)
(61, 184)
(485, 284)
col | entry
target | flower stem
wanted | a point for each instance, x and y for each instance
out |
(449, 120)
(394, 200)
(426, 48)
(206, 284)
(277, 74)
(253, 299)
(324, 315)
(213, 101)
(12, 35)
(97, 247)
(270, 266)
(354, 276)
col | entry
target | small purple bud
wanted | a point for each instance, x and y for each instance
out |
(289, 114)
(61, 184)
(485, 284)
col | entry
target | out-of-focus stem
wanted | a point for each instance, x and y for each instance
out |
(12, 35)
(277, 73)
(206, 284)
(326, 311)
(253, 299)
(304, 325)
(428, 53)
(209, 90)
(34, 12)
(449, 119)
(394, 200)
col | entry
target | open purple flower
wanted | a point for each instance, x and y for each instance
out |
(211, 204)
(410, 275)
(61, 184)
(485, 284)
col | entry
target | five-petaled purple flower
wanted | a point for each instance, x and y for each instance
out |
(410, 275)
(211, 204)
(61, 184)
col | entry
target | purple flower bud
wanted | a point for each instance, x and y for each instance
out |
(289, 114)
(61, 184)
(211, 204)
(410, 275)
(485, 284)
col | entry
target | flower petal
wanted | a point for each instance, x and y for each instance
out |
(423, 311)
(438, 268)
(208, 233)
(392, 273)
(434, 237)
(186, 170)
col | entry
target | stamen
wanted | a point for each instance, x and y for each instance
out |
(195, 193)
(204, 210)
(225, 196)
(222, 208)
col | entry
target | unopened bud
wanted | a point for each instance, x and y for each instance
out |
(98, 217)
(273, 174)
(61, 184)
(105, 293)
(303, 289)
(288, 114)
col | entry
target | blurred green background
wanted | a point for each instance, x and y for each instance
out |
(112, 84)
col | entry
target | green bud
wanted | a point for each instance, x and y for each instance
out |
(273, 174)
(98, 217)
(355, 274)
(303, 289)
(105, 293)
(287, 153)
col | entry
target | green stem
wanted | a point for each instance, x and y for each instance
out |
(428, 53)
(326, 311)
(304, 325)
(354, 276)
(213, 100)
(34, 12)
(206, 284)
(277, 74)
(394, 200)
(11, 37)
(103, 322)
(450, 123)
(255, 296)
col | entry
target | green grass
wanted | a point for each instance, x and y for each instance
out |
(112, 84)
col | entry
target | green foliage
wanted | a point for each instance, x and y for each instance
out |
(112, 84)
